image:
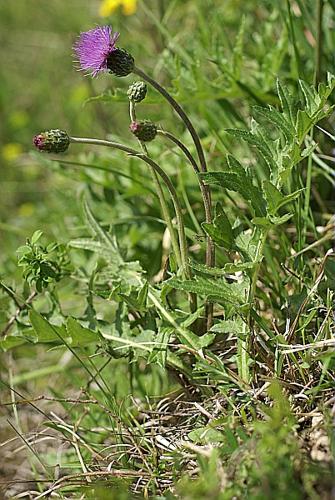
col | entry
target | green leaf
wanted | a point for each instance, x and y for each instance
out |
(212, 271)
(239, 182)
(80, 336)
(290, 197)
(229, 326)
(247, 242)
(11, 341)
(280, 220)
(236, 167)
(93, 246)
(217, 235)
(278, 119)
(206, 339)
(205, 435)
(272, 195)
(36, 236)
(258, 142)
(143, 296)
(45, 331)
(234, 267)
(159, 351)
(261, 221)
(286, 102)
(312, 98)
(303, 124)
(221, 230)
(220, 289)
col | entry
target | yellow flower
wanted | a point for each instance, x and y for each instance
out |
(107, 7)
(11, 151)
(26, 209)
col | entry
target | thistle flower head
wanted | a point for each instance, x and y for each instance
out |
(137, 91)
(94, 48)
(144, 130)
(52, 141)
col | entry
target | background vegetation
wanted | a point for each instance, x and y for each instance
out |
(106, 391)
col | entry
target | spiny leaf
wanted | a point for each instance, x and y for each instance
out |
(280, 220)
(160, 348)
(261, 145)
(242, 184)
(212, 271)
(286, 101)
(236, 167)
(234, 293)
(220, 230)
(216, 235)
(278, 119)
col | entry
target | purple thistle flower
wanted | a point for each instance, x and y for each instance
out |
(94, 47)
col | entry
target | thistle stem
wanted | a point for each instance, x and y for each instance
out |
(210, 250)
(179, 110)
(187, 153)
(185, 268)
(160, 193)
(206, 196)
(319, 42)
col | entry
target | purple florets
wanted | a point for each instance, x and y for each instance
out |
(39, 142)
(94, 48)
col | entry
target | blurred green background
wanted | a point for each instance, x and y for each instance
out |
(195, 48)
(41, 89)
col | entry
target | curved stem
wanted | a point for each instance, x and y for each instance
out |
(319, 42)
(206, 196)
(160, 193)
(210, 250)
(182, 146)
(187, 153)
(186, 271)
(179, 110)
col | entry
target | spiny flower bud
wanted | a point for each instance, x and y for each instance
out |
(145, 130)
(137, 91)
(52, 141)
(120, 62)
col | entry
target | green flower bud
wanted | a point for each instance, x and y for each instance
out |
(52, 141)
(144, 130)
(137, 91)
(120, 62)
